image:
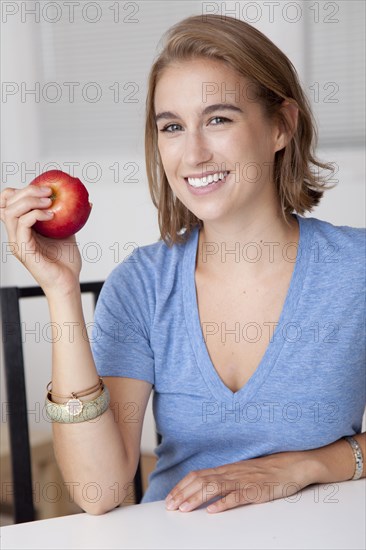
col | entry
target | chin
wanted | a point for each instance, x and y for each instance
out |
(206, 212)
(209, 216)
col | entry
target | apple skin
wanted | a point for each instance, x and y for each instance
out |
(70, 203)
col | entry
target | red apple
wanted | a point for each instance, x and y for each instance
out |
(70, 203)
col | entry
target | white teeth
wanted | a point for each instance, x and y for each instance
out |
(203, 182)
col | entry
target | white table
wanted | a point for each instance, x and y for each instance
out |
(321, 516)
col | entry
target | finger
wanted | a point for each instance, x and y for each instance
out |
(11, 196)
(177, 494)
(199, 491)
(29, 191)
(178, 488)
(245, 493)
(189, 486)
(231, 500)
(5, 195)
(21, 206)
(249, 493)
(189, 478)
(24, 234)
(208, 491)
(13, 213)
(28, 220)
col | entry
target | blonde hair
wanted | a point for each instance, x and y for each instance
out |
(296, 172)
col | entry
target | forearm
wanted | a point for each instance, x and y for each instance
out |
(334, 462)
(73, 366)
(90, 454)
(94, 463)
(265, 478)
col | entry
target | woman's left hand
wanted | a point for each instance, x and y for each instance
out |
(249, 481)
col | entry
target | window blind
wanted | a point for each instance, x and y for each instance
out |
(99, 71)
(335, 70)
(94, 74)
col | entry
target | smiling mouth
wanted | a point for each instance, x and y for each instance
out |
(207, 180)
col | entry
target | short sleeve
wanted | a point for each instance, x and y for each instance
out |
(121, 328)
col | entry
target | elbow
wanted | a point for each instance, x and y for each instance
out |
(98, 508)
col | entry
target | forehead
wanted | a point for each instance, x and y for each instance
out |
(200, 81)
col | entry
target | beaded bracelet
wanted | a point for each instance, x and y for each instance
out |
(357, 452)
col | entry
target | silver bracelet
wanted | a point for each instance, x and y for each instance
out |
(77, 411)
(357, 452)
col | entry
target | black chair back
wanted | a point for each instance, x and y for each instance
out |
(17, 402)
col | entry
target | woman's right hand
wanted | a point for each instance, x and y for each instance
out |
(55, 264)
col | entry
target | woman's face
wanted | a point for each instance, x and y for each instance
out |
(216, 145)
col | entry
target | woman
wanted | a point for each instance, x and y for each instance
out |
(239, 315)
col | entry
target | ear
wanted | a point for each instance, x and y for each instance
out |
(287, 123)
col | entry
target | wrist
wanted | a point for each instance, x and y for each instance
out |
(62, 291)
(308, 469)
(60, 296)
(66, 311)
(330, 464)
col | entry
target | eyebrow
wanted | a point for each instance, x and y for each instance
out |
(206, 111)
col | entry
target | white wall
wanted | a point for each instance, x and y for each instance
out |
(122, 213)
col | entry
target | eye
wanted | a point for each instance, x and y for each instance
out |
(220, 119)
(171, 128)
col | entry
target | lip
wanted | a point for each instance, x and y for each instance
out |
(210, 188)
(204, 174)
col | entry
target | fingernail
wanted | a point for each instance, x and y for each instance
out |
(184, 507)
(50, 213)
(170, 504)
(45, 200)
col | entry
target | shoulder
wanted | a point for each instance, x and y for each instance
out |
(342, 242)
(149, 269)
(148, 263)
(337, 255)
(343, 234)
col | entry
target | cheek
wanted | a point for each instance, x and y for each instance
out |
(168, 163)
(169, 155)
(163, 155)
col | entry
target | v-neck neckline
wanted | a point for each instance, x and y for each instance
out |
(190, 303)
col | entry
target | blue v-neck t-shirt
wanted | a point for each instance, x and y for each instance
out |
(308, 389)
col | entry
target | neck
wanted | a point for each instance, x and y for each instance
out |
(253, 247)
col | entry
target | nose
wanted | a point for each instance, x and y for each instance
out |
(196, 149)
